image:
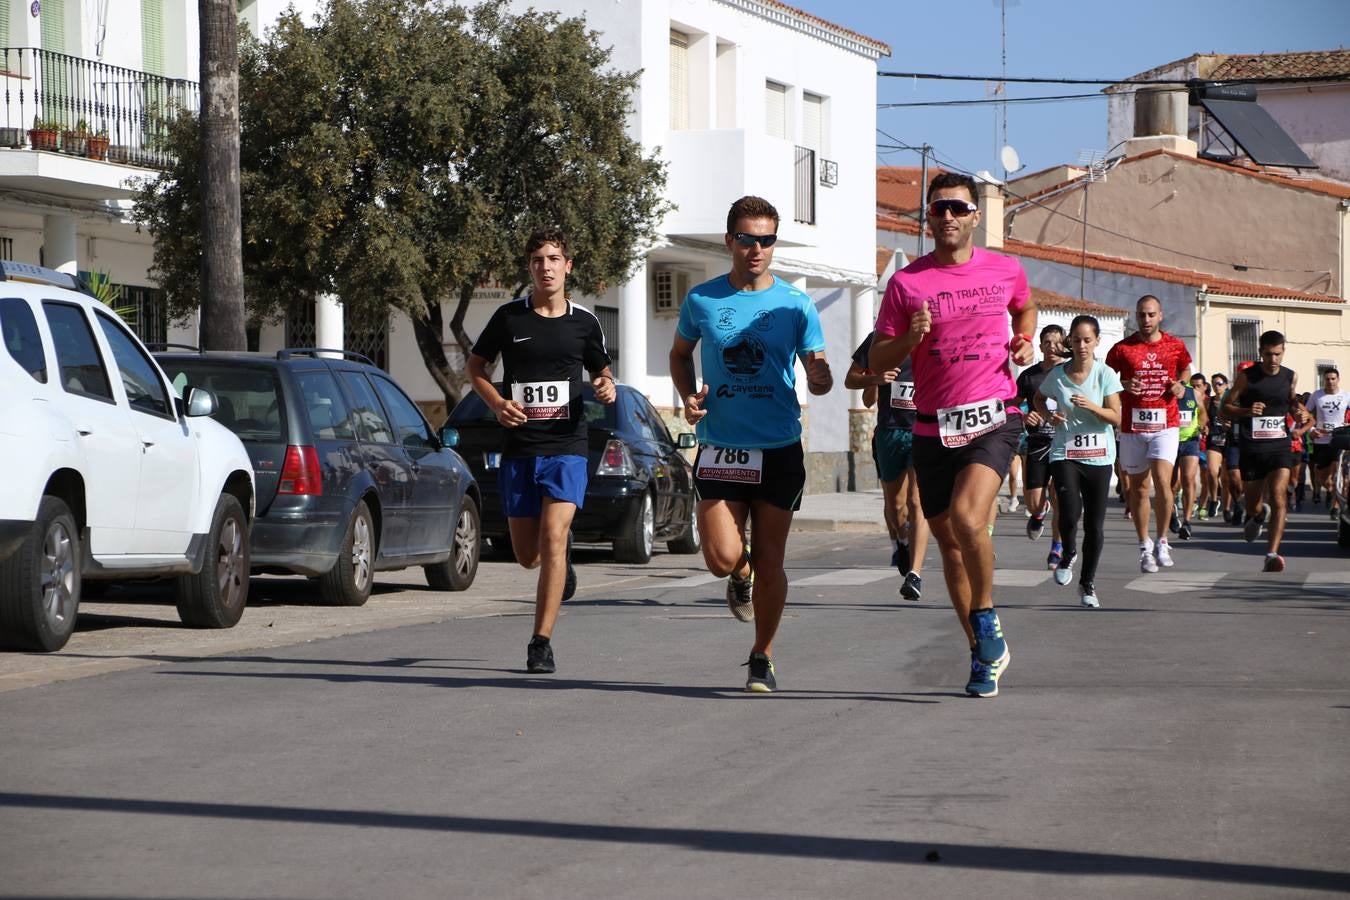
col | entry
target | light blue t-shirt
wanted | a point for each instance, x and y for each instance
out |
(1084, 437)
(751, 340)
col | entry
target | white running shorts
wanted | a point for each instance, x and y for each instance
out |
(1137, 449)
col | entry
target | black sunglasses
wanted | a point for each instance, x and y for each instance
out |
(958, 208)
(750, 240)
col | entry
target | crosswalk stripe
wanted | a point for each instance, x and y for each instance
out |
(1170, 581)
(1335, 583)
(1020, 577)
(691, 581)
(847, 577)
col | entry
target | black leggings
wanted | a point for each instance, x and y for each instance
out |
(1082, 490)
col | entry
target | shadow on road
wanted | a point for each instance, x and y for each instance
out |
(977, 857)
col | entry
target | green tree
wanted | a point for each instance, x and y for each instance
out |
(397, 154)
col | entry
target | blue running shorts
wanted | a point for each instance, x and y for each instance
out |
(525, 481)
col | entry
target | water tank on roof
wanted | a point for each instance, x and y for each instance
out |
(1160, 110)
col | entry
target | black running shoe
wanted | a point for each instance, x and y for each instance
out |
(539, 656)
(761, 678)
(570, 584)
(912, 589)
(1185, 531)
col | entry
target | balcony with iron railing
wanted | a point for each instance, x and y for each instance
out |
(85, 108)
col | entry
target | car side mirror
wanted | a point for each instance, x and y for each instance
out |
(449, 436)
(686, 440)
(201, 402)
(1340, 438)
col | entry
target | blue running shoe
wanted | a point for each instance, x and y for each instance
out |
(989, 643)
(984, 676)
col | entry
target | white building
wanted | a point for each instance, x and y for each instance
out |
(737, 96)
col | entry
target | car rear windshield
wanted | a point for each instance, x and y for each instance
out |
(248, 399)
(473, 409)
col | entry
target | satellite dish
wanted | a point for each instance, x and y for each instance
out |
(1011, 161)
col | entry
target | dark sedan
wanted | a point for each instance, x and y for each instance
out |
(351, 478)
(641, 487)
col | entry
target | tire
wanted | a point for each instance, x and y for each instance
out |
(457, 572)
(691, 541)
(215, 597)
(638, 538)
(40, 583)
(349, 582)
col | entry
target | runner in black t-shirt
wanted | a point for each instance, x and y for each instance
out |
(544, 340)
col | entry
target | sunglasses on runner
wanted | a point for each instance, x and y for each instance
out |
(958, 208)
(749, 240)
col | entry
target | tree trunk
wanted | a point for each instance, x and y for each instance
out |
(428, 329)
(222, 323)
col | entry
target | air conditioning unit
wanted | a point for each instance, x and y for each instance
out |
(669, 287)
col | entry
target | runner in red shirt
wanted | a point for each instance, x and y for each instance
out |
(1154, 367)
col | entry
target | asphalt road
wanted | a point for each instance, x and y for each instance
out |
(1188, 739)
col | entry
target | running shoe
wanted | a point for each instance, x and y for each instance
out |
(1173, 525)
(1087, 596)
(1228, 515)
(991, 530)
(1035, 527)
(760, 680)
(1052, 559)
(1064, 573)
(900, 558)
(1238, 515)
(912, 589)
(539, 656)
(570, 583)
(1274, 563)
(1012, 505)
(1252, 530)
(984, 676)
(1184, 532)
(1335, 512)
(1202, 513)
(1147, 563)
(1212, 509)
(1163, 550)
(989, 642)
(740, 597)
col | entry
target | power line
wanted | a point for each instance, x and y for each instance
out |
(1182, 82)
(900, 145)
(988, 100)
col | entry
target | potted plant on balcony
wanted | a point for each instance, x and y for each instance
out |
(11, 137)
(76, 141)
(45, 135)
(98, 144)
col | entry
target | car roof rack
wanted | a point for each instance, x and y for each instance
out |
(155, 346)
(315, 351)
(27, 272)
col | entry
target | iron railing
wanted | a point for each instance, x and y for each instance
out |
(805, 178)
(128, 108)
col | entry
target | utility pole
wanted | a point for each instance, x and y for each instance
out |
(222, 311)
(923, 196)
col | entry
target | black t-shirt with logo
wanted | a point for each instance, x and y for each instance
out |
(542, 360)
(1269, 429)
(1028, 383)
(895, 401)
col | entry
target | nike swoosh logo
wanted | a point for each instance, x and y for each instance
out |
(518, 340)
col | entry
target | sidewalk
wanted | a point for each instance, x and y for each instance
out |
(858, 511)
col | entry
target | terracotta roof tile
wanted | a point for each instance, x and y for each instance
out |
(1052, 300)
(1308, 64)
(882, 46)
(898, 223)
(1216, 284)
(898, 187)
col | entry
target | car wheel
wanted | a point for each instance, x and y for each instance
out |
(215, 596)
(457, 572)
(635, 543)
(691, 541)
(348, 583)
(40, 582)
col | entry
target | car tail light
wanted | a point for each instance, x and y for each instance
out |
(300, 474)
(615, 460)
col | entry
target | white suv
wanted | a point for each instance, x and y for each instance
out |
(106, 474)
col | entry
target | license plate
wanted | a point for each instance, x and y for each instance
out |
(492, 460)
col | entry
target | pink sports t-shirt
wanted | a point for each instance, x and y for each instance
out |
(964, 358)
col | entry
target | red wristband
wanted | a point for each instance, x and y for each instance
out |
(1025, 337)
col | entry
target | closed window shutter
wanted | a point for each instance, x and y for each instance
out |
(775, 109)
(679, 81)
(813, 122)
(54, 26)
(152, 36)
(4, 24)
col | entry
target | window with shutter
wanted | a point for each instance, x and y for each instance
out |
(54, 25)
(813, 122)
(679, 81)
(4, 23)
(152, 36)
(775, 109)
(1243, 334)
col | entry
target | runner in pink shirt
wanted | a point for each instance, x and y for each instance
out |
(948, 312)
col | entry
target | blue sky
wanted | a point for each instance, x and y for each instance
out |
(1056, 39)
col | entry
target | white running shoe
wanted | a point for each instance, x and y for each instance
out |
(1147, 563)
(1164, 552)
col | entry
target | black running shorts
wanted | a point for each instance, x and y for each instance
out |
(780, 482)
(937, 466)
(1256, 464)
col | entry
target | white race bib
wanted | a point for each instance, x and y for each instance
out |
(1268, 428)
(1085, 446)
(959, 425)
(1147, 420)
(1186, 416)
(543, 399)
(902, 395)
(727, 464)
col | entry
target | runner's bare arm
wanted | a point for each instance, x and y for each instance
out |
(1024, 326)
(890, 352)
(1230, 405)
(682, 373)
(857, 378)
(1179, 386)
(508, 412)
(819, 379)
(603, 382)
